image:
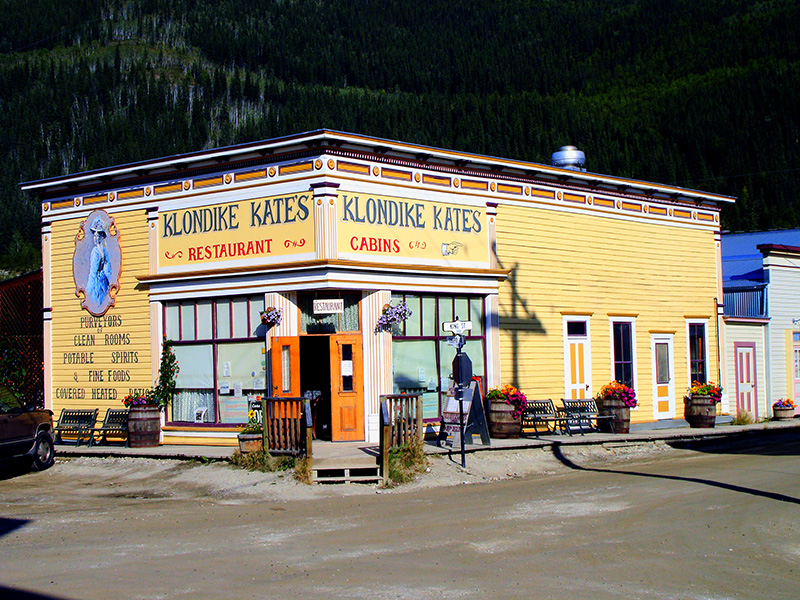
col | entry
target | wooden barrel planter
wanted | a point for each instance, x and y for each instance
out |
(502, 424)
(782, 414)
(700, 411)
(621, 416)
(250, 442)
(144, 426)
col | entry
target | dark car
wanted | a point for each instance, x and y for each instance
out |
(25, 431)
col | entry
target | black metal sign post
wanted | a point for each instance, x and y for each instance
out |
(462, 372)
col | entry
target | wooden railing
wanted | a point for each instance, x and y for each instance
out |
(287, 425)
(401, 420)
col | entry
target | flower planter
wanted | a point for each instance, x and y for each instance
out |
(144, 426)
(782, 413)
(502, 424)
(250, 442)
(617, 409)
(700, 411)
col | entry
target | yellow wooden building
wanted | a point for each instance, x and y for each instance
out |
(571, 279)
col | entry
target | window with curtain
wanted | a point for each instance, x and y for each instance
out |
(221, 360)
(348, 320)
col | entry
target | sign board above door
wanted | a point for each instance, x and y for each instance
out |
(329, 307)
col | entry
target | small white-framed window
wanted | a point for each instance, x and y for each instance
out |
(623, 350)
(697, 354)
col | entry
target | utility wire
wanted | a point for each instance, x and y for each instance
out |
(59, 34)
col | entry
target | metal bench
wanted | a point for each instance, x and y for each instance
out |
(584, 415)
(115, 424)
(77, 424)
(544, 412)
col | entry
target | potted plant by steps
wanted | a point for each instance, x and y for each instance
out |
(506, 405)
(251, 438)
(783, 409)
(616, 400)
(700, 405)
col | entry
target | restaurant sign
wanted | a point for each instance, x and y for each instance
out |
(247, 231)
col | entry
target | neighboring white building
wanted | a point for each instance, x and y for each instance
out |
(761, 284)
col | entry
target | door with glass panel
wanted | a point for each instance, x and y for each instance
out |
(347, 395)
(285, 358)
(577, 359)
(663, 377)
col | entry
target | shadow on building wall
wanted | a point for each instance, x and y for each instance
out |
(517, 318)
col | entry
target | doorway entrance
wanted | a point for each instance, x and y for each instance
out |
(663, 378)
(746, 379)
(329, 370)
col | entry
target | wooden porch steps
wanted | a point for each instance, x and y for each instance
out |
(344, 474)
(344, 463)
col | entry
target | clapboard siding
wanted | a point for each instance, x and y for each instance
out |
(783, 306)
(753, 333)
(119, 372)
(571, 263)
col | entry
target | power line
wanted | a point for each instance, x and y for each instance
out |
(60, 33)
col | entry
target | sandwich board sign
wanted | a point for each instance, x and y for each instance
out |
(474, 418)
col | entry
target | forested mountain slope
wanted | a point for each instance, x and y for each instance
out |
(698, 93)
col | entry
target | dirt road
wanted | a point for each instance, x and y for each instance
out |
(642, 522)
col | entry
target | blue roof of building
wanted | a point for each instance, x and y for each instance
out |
(742, 261)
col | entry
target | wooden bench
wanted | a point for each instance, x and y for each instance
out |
(77, 424)
(115, 424)
(544, 412)
(584, 415)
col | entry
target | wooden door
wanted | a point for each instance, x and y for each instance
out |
(347, 389)
(663, 377)
(746, 379)
(796, 370)
(285, 359)
(577, 359)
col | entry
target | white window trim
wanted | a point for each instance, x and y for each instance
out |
(689, 322)
(632, 321)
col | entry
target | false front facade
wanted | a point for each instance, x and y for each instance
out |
(272, 266)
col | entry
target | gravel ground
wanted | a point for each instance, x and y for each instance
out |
(158, 478)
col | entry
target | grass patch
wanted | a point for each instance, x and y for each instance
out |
(302, 471)
(406, 462)
(742, 418)
(263, 461)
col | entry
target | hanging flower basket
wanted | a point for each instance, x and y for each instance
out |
(391, 315)
(271, 316)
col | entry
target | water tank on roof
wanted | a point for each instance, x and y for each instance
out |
(569, 157)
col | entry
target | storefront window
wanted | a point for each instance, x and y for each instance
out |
(421, 358)
(195, 383)
(219, 368)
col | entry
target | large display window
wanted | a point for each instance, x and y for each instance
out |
(421, 358)
(220, 355)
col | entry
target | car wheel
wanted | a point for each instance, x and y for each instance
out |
(43, 451)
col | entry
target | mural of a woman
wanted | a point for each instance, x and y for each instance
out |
(96, 262)
(99, 264)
